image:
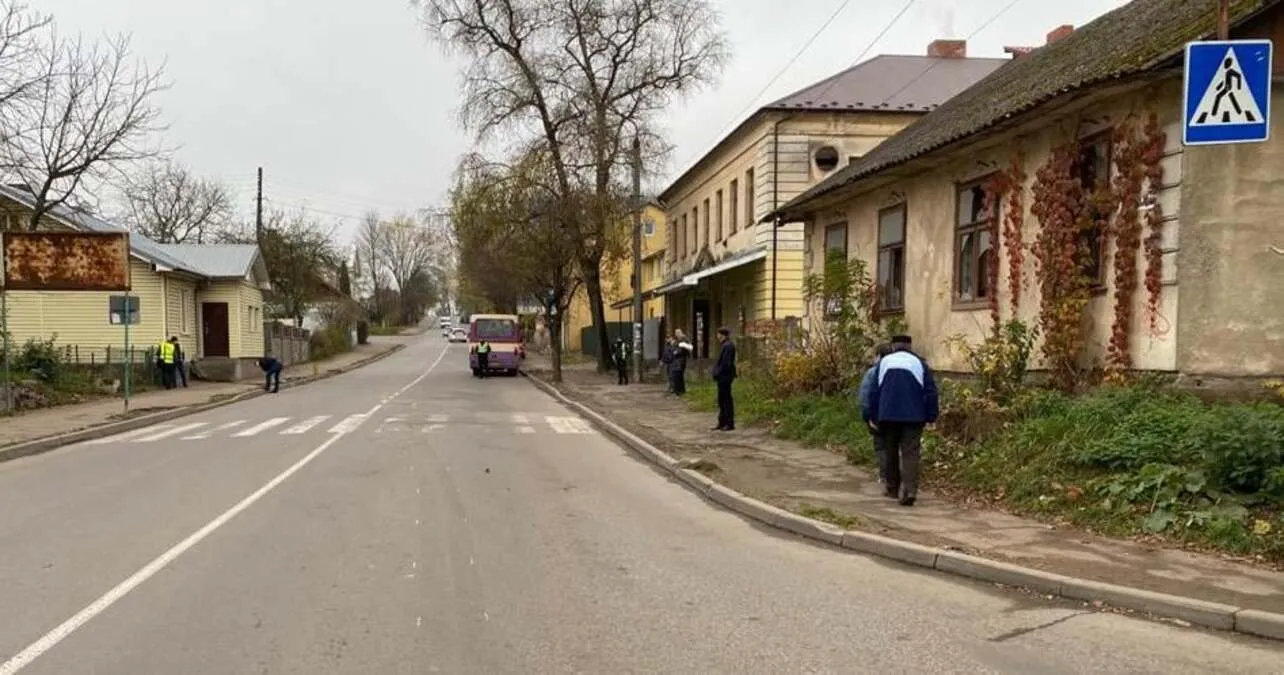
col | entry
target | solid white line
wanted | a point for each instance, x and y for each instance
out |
(303, 426)
(208, 432)
(171, 432)
(52, 638)
(261, 426)
(128, 434)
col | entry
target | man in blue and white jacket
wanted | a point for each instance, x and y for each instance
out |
(901, 404)
(868, 384)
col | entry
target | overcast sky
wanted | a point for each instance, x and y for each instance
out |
(348, 107)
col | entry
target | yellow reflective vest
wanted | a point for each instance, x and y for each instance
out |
(167, 352)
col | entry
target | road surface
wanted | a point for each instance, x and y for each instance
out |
(407, 518)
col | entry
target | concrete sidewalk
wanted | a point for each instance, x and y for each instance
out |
(46, 422)
(820, 484)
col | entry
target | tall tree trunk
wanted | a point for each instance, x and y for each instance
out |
(555, 345)
(593, 286)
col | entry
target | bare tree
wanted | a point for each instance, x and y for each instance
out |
(408, 253)
(586, 76)
(368, 249)
(21, 31)
(91, 112)
(167, 203)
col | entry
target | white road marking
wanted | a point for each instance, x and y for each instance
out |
(519, 418)
(51, 639)
(525, 430)
(170, 432)
(208, 432)
(433, 427)
(128, 434)
(261, 426)
(569, 425)
(350, 423)
(419, 621)
(303, 426)
(438, 419)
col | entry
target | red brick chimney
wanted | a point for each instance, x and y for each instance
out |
(1059, 33)
(948, 49)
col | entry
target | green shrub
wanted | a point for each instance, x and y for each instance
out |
(329, 341)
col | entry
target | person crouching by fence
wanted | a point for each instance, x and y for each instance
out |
(271, 368)
(867, 385)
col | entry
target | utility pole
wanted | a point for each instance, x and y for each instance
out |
(258, 211)
(637, 259)
(1223, 20)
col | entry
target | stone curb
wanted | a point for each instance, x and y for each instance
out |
(1197, 612)
(41, 445)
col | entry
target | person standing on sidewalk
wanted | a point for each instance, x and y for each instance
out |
(902, 403)
(621, 354)
(724, 373)
(180, 365)
(867, 385)
(680, 357)
(666, 363)
(165, 353)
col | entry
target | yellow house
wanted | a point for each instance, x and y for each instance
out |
(209, 296)
(724, 269)
(617, 285)
(1181, 271)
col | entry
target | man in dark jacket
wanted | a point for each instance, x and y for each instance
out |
(903, 401)
(724, 373)
(867, 385)
(272, 370)
(666, 363)
(679, 366)
(620, 353)
(180, 359)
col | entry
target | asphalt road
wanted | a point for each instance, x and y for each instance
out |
(410, 519)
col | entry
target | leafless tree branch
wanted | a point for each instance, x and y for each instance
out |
(165, 202)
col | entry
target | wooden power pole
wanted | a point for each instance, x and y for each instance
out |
(637, 259)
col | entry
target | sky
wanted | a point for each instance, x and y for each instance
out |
(349, 107)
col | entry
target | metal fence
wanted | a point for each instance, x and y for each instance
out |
(104, 362)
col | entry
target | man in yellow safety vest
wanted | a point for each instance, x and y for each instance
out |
(165, 358)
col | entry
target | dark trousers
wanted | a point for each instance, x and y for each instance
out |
(273, 380)
(679, 381)
(668, 379)
(622, 371)
(879, 453)
(483, 363)
(182, 372)
(902, 446)
(167, 375)
(726, 405)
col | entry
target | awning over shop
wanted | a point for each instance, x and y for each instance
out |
(693, 279)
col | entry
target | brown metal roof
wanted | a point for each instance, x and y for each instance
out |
(1131, 40)
(888, 84)
(894, 83)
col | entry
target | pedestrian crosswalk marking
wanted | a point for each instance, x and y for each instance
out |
(170, 432)
(525, 430)
(349, 424)
(438, 419)
(519, 418)
(568, 425)
(128, 435)
(209, 432)
(260, 427)
(303, 426)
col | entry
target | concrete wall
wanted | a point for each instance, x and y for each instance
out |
(929, 192)
(1230, 320)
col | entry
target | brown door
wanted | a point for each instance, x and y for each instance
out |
(214, 328)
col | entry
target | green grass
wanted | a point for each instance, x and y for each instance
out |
(1140, 460)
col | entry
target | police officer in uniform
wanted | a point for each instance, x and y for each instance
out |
(483, 358)
(165, 355)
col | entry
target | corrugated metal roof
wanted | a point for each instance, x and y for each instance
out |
(891, 83)
(1128, 41)
(215, 260)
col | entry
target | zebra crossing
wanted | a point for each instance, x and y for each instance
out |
(517, 423)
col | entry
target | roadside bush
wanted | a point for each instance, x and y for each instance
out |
(1001, 360)
(329, 341)
(40, 360)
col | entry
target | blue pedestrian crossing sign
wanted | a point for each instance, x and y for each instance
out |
(1227, 96)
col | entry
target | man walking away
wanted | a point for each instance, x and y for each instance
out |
(724, 373)
(621, 354)
(165, 359)
(483, 358)
(180, 365)
(680, 357)
(867, 386)
(271, 367)
(901, 404)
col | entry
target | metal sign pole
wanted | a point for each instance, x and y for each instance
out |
(129, 358)
(4, 329)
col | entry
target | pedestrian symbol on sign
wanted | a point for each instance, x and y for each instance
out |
(1226, 100)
